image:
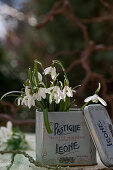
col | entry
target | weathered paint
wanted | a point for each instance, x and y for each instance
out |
(70, 143)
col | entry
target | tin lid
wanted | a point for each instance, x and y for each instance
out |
(101, 130)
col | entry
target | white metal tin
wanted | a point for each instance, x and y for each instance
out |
(100, 127)
(70, 143)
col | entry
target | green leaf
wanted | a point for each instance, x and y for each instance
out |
(46, 121)
(30, 74)
(65, 75)
(67, 102)
(76, 87)
(70, 105)
(40, 105)
(61, 106)
(36, 73)
(10, 94)
(84, 105)
(98, 89)
(36, 61)
(17, 141)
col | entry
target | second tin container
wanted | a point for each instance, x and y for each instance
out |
(101, 129)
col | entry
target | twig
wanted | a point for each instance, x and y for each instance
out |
(65, 8)
(12, 161)
(31, 160)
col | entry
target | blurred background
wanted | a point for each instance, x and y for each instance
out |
(78, 33)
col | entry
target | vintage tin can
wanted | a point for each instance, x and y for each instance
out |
(70, 143)
(101, 129)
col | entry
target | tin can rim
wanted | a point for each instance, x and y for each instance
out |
(71, 110)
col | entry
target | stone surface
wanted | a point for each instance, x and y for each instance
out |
(21, 163)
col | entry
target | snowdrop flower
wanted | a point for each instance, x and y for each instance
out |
(6, 131)
(39, 77)
(67, 91)
(50, 70)
(9, 125)
(95, 98)
(56, 95)
(27, 90)
(37, 96)
(19, 101)
(28, 99)
(5, 135)
(49, 90)
(40, 94)
(24, 101)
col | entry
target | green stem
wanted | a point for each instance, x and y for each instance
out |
(46, 121)
(58, 62)
(30, 74)
(84, 106)
(76, 87)
(39, 109)
(98, 89)
(43, 71)
(67, 103)
(70, 105)
(50, 107)
(40, 104)
(36, 73)
(61, 105)
(53, 106)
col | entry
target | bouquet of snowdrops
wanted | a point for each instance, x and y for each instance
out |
(52, 96)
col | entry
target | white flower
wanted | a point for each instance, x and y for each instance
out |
(67, 91)
(49, 90)
(39, 76)
(27, 90)
(19, 101)
(37, 96)
(50, 70)
(28, 99)
(40, 94)
(56, 95)
(31, 101)
(25, 101)
(95, 98)
(5, 135)
(6, 131)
